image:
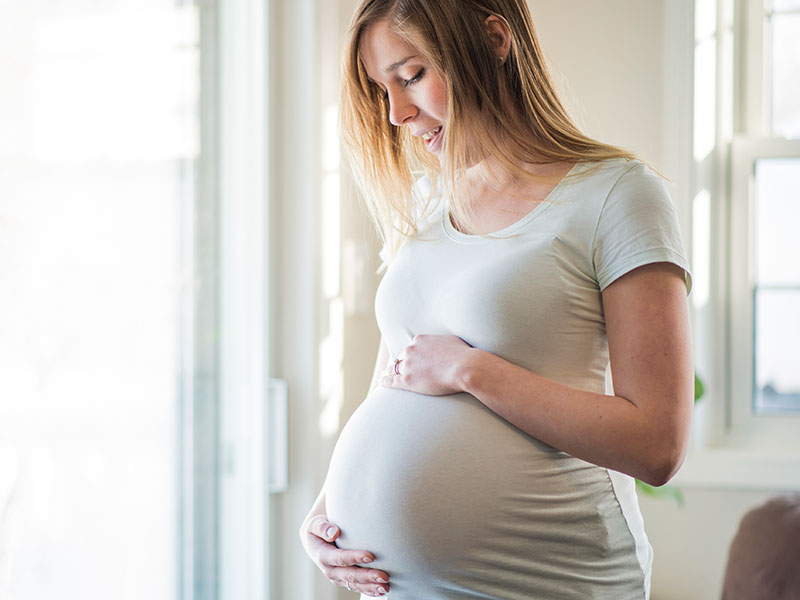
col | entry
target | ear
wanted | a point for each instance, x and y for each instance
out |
(499, 35)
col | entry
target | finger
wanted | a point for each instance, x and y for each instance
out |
(367, 581)
(323, 528)
(393, 368)
(371, 591)
(334, 557)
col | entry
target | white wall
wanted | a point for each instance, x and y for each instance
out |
(607, 59)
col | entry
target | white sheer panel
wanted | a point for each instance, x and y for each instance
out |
(98, 113)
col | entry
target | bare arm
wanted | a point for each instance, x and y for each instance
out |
(642, 430)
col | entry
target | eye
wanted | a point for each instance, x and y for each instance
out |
(414, 79)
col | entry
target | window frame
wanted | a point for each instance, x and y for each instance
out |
(751, 66)
(251, 405)
(752, 140)
(731, 447)
(746, 428)
(234, 414)
(200, 524)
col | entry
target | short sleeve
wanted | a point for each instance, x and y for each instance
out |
(637, 225)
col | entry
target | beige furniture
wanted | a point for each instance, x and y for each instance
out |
(764, 557)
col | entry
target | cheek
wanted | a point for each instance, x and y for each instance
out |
(439, 99)
(437, 96)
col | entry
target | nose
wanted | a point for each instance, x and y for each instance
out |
(400, 109)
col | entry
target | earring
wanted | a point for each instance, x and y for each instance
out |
(501, 59)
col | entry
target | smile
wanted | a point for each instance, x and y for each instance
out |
(431, 133)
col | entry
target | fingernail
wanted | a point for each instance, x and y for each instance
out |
(330, 531)
(381, 580)
(381, 592)
(366, 559)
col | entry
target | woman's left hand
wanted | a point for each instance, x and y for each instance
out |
(431, 364)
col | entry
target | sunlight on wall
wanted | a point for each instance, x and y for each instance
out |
(705, 84)
(701, 249)
(331, 376)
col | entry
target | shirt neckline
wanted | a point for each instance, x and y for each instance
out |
(456, 235)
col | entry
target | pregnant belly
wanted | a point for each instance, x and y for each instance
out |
(443, 492)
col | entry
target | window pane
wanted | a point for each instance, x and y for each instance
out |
(782, 5)
(777, 294)
(786, 75)
(98, 108)
(777, 376)
(777, 214)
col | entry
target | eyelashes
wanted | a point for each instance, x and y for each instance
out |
(384, 94)
(414, 79)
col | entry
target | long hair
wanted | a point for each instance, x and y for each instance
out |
(510, 111)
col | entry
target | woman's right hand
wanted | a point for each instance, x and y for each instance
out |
(342, 567)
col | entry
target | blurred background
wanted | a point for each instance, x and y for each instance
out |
(186, 277)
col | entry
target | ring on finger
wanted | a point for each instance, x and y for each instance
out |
(397, 362)
(347, 585)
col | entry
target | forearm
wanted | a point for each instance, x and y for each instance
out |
(610, 431)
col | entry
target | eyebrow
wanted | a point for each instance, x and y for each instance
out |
(399, 63)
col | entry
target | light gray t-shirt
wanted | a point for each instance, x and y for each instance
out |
(455, 502)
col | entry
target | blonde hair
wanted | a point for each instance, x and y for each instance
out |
(512, 109)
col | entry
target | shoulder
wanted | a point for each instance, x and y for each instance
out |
(639, 178)
(603, 191)
(427, 200)
(637, 192)
(635, 224)
(422, 186)
(617, 188)
(425, 209)
(609, 177)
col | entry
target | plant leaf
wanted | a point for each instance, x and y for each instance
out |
(665, 491)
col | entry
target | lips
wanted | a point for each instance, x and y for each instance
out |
(431, 133)
(431, 137)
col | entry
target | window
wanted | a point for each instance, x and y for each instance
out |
(765, 283)
(765, 179)
(133, 440)
(776, 294)
(782, 51)
(97, 170)
(747, 214)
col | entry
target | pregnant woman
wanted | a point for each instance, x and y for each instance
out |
(527, 267)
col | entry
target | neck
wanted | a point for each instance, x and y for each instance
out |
(492, 174)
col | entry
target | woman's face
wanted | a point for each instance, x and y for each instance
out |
(416, 92)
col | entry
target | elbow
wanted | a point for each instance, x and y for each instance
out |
(664, 448)
(663, 467)
(660, 476)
